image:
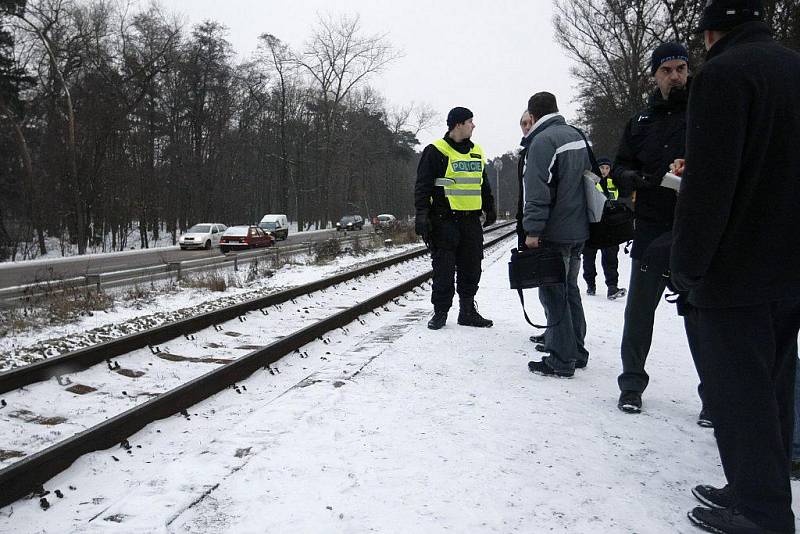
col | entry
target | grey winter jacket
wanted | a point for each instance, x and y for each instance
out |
(555, 202)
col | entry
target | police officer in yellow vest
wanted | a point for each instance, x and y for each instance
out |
(450, 193)
(608, 256)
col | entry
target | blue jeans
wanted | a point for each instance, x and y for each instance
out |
(562, 304)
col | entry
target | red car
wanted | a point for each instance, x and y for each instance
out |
(242, 237)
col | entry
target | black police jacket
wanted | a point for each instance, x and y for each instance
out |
(737, 224)
(653, 139)
(433, 165)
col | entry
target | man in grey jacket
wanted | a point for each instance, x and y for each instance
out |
(555, 215)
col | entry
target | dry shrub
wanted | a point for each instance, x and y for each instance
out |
(327, 250)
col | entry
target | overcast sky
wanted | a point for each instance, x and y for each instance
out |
(489, 56)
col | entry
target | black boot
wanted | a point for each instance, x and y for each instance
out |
(438, 320)
(468, 315)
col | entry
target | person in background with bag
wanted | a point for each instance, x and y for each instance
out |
(735, 254)
(450, 193)
(608, 256)
(555, 215)
(652, 140)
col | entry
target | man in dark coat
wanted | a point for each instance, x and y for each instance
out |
(653, 139)
(450, 193)
(736, 250)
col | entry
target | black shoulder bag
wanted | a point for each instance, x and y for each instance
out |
(616, 224)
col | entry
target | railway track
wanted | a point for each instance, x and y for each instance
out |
(114, 419)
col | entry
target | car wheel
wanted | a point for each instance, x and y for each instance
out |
(208, 245)
(223, 249)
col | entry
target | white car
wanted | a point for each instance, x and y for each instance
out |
(203, 235)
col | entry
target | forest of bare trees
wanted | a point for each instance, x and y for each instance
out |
(113, 118)
(610, 43)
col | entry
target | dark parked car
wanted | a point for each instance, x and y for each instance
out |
(242, 237)
(350, 222)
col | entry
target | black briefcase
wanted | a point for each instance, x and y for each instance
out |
(615, 227)
(536, 267)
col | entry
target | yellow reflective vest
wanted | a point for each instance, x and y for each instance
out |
(464, 177)
(613, 194)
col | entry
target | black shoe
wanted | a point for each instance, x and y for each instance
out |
(616, 292)
(537, 339)
(630, 402)
(712, 497)
(540, 348)
(725, 521)
(468, 316)
(438, 320)
(541, 368)
(581, 365)
(591, 290)
(704, 420)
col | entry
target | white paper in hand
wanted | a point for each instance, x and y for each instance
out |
(671, 181)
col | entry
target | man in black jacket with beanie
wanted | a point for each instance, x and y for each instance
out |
(450, 193)
(736, 250)
(653, 139)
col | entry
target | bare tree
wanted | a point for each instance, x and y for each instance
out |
(339, 59)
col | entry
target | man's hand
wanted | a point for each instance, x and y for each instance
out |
(677, 167)
(422, 226)
(533, 241)
(632, 180)
(491, 217)
(684, 282)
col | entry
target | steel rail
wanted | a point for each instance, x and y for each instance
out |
(26, 475)
(89, 356)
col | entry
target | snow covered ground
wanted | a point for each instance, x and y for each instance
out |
(128, 316)
(391, 427)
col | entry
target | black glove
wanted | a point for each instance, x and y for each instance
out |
(491, 217)
(684, 282)
(422, 225)
(633, 180)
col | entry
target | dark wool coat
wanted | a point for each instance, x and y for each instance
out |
(737, 222)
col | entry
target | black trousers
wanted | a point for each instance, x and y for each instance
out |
(457, 251)
(608, 259)
(746, 359)
(644, 294)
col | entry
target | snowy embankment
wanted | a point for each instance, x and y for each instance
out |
(390, 427)
(167, 305)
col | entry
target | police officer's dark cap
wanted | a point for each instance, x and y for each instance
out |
(667, 52)
(724, 15)
(458, 115)
(604, 161)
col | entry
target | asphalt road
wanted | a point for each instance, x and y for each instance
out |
(21, 273)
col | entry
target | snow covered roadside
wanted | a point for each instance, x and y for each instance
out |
(401, 429)
(135, 315)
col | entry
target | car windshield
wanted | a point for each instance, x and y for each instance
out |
(348, 219)
(269, 225)
(384, 218)
(199, 229)
(239, 231)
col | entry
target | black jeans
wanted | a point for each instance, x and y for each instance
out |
(456, 251)
(644, 294)
(565, 341)
(746, 359)
(608, 259)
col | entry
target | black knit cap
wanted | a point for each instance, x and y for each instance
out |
(724, 15)
(604, 161)
(667, 52)
(458, 115)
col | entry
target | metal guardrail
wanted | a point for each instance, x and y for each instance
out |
(16, 295)
(31, 472)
